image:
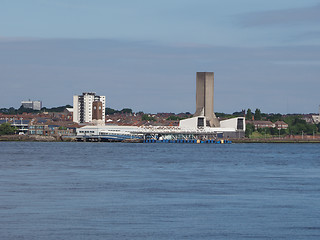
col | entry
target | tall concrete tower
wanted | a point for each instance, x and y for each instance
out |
(204, 98)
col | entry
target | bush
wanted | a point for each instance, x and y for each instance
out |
(298, 125)
(249, 129)
(7, 129)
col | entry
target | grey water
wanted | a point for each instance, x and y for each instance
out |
(159, 191)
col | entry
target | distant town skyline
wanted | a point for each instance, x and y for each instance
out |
(145, 54)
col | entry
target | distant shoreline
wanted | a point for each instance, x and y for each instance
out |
(31, 138)
(266, 140)
(38, 138)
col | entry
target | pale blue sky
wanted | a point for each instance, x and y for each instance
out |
(145, 54)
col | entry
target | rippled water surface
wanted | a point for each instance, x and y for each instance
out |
(159, 191)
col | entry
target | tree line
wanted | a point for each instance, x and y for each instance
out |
(21, 109)
(296, 125)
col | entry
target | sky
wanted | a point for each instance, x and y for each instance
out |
(144, 54)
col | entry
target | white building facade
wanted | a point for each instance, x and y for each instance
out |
(34, 105)
(83, 107)
(229, 128)
(189, 129)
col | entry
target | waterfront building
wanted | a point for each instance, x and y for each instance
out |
(20, 124)
(34, 105)
(89, 108)
(49, 130)
(189, 129)
(203, 126)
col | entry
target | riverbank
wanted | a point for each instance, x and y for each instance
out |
(274, 140)
(32, 138)
(38, 138)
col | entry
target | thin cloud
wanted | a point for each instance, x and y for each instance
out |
(17, 39)
(153, 77)
(306, 63)
(282, 17)
(80, 4)
(308, 35)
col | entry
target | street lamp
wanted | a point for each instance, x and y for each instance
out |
(313, 134)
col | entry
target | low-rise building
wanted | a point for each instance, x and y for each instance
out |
(40, 129)
(281, 125)
(262, 124)
(64, 132)
(316, 119)
(308, 118)
(50, 130)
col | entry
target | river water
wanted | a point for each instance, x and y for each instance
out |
(159, 191)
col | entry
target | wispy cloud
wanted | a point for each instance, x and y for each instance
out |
(306, 63)
(17, 39)
(64, 4)
(282, 17)
(155, 77)
(311, 35)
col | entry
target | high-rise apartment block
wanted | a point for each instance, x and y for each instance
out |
(34, 105)
(89, 107)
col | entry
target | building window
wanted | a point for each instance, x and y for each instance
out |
(240, 124)
(200, 122)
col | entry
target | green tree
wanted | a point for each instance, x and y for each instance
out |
(10, 111)
(298, 125)
(174, 118)
(238, 114)
(257, 114)
(126, 110)
(7, 129)
(111, 111)
(249, 114)
(274, 117)
(249, 129)
(54, 109)
(274, 131)
(145, 117)
(223, 115)
(22, 109)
